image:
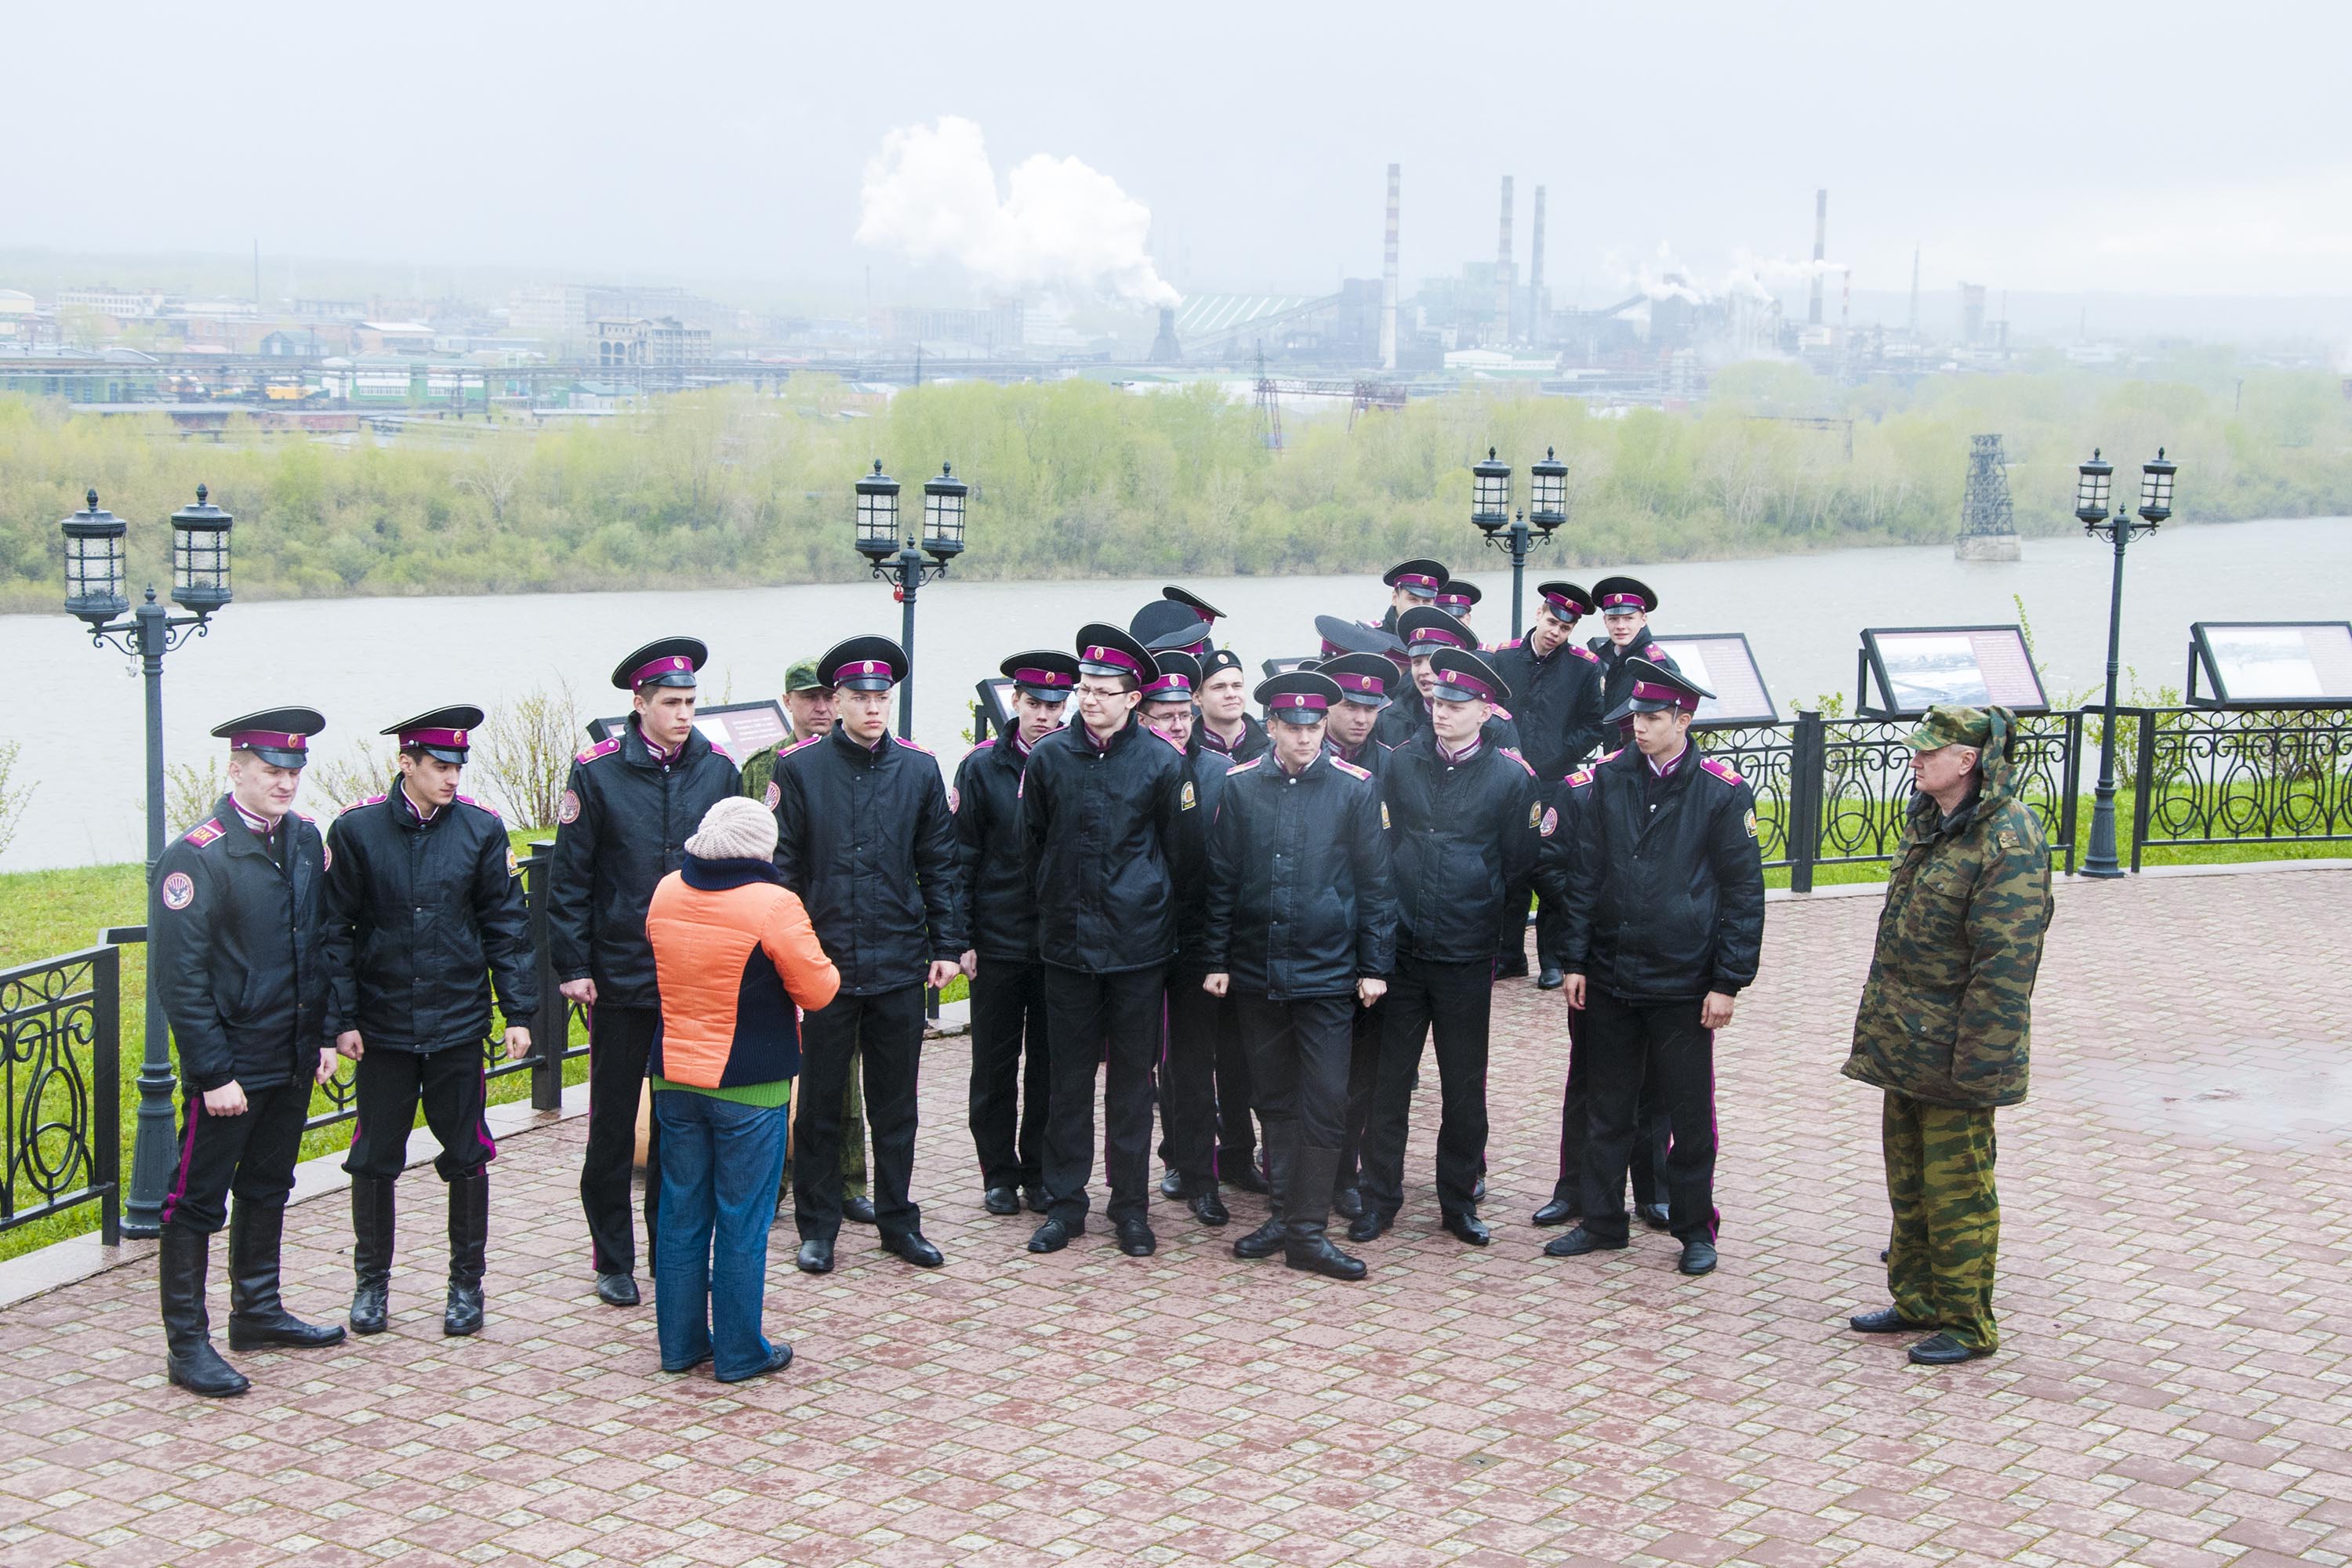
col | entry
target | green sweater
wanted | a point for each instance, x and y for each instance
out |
(768, 1094)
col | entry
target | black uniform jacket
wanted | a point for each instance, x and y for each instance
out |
(1667, 904)
(1408, 716)
(865, 837)
(1372, 757)
(1465, 835)
(1616, 680)
(1253, 743)
(1205, 772)
(1000, 917)
(620, 829)
(421, 917)
(1557, 702)
(236, 940)
(1300, 903)
(1100, 826)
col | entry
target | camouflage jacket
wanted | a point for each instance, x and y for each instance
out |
(1944, 1016)
(760, 771)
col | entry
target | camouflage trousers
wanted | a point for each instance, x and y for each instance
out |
(1939, 1263)
(853, 1139)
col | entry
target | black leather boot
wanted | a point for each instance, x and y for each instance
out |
(257, 1318)
(371, 1253)
(470, 1229)
(1306, 1216)
(190, 1360)
(1281, 1141)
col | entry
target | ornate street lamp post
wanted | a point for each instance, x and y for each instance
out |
(878, 539)
(1490, 511)
(2091, 502)
(94, 592)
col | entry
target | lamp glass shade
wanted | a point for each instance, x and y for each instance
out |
(94, 563)
(877, 513)
(1548, 492)
(200, 556)
(2092, 489)
(2156, 487)
(943, 503)
(1490, 493)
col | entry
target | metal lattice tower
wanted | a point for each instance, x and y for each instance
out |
(1987, 528)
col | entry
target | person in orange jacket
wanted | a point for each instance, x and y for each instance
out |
(736, 959)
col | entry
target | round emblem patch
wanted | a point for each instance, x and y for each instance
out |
(178, 891)
(326, 855)
(773, 794)
(569, 811)
(955, 798)
(1551, 822)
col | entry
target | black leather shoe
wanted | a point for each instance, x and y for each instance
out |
(1135, 1238)
(911, 1245)
(1000, 1200)
(1034, 1199)
(1246, 1177)
(1550, 979)
(1559, 1211)
(1171, 1186)
(857, 1208)
(1578, 1242)
(1514, 967)
(257, 1317)
(1942, 1350)
(1263, 1242)
(1369, 1225)
(1468, 1227)
(1478, 1190)
(1051, 1236)
(1318, 1256)
(1882, 1252)
(1698, 1257)
(1886, 1321)
(1655, 1215)
(1210, 1209)
(815, 1257)
(778, 1358)
(191, 1362)
(1347, 1201)
(371, 1214)
(616, 1290)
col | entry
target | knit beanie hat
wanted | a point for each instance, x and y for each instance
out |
(736, 828)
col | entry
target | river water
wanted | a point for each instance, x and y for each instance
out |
(366, 663)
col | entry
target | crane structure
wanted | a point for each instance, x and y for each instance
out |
(1362, 395)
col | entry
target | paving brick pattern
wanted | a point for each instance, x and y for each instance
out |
(2177, 1277)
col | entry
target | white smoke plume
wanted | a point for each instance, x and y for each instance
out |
(931, 194)
(1664, 277)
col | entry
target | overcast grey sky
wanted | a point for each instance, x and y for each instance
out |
(2063, 145)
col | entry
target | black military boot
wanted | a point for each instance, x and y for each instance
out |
(190, 1360)
(1281, 1141)
(257, 1318)
(371, 1253)
(1307, 1214)
(470, 1228)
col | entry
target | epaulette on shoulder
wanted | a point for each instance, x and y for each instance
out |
(1524, 766)
(1499, 712)
(1607, 757)
(1350, 769)
(204, 832)
(917, 746)
(1171, 740)
(601, 748)
(1586, 654)
(477, 806)
(982, 746)
(1721, 770)
(799, 746)
(371, 800)
(1244, 767)
(720, 747)
(1581, 776)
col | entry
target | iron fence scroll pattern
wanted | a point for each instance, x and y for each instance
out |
(60, 1054)
(2215, 776)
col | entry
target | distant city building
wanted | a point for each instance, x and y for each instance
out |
(123, 304)
(395, 337)
(640, 341)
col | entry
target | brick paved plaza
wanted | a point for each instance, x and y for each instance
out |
(2177, 1283)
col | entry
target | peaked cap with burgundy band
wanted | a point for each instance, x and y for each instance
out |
(1363, 679)
(671, 661)
(445, 733)
(863, 663)
(1179, 678)
(278, 736)
(1197, 604)
(1301, 697)
(1565, 600)
(1426, 629)
(1165, 624)
(1421, 578)
(1457, 597)
(1104, 649)
(1464, 677)
(1621, 594)
(1046, 674)
(1657, 689)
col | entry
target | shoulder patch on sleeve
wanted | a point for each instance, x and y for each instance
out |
(1549, 824)
(1721, 770)
(601, 748)
(179, 892)
(377, 800)
(773, 794)
(1350, 769)
(1513, 755)
(567, 810)
(205, 832)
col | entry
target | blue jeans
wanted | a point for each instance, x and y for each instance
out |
(720, 1165)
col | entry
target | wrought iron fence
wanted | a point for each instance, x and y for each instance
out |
(60, 1061)
(2205, 776)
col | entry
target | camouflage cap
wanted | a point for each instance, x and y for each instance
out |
(1947, 725)
(803, 677)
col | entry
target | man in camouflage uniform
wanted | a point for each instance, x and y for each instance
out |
(1943, 1023)
(809, 709)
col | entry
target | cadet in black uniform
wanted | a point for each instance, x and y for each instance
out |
(1424, 632)
(1626, 606)
(1555, 685)
(1412, 583)
(1009, 1056)
(1225, 733)
(237, 943)
(1226, 726)
(1301, 931)
(1466, 818)
(1458, 597)
(1099, 809)
(865, 838)
(1364, 680)
(630, 806)
(423, 912)
(1665, 916)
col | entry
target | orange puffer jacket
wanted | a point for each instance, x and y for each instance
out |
(733, 951)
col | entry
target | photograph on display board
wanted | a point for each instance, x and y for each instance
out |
(995, 696)
(743, 728)
(2300, 662)
(1968, 667)
(1723, 663)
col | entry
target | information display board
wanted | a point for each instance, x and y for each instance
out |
(1725, 665)
(996, 703)
(2270, 664)
(1916, 667)
(1274, 667)
(743, 728)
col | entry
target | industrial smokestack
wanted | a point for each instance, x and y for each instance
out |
(1389, 280)
(1503, 278)
(1914, 293)
(1534, 326)
(1821, 252)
